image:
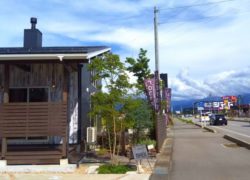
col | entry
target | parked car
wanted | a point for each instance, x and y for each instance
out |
(218, 119)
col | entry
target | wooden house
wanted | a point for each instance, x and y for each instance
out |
(44, 99)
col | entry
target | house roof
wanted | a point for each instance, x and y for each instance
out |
(52, 53)
(52, 50)
(34, 51)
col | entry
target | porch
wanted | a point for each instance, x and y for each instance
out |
(33, 121)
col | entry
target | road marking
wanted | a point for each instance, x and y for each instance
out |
(232, 132)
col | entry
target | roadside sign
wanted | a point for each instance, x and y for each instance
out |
(140, 152)
(200, 108)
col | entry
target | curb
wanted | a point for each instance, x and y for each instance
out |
(164, 158)
(238, 120)
(237, 141)
(210, 129)
(197, 124)
(207, 128)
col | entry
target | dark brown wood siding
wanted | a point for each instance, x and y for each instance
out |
(33, 119)
(51, 76)
(1, 82)
(39, 75)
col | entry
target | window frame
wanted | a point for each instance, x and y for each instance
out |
(34, 87)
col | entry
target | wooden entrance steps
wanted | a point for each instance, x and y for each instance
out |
(17, 155)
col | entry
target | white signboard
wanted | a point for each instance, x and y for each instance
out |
(200, 108)
(140, 152)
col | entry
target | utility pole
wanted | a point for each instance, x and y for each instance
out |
(156, 40)
(160, 123)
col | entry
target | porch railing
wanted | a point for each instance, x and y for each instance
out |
(18, 120)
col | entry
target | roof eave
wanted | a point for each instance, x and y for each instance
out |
(96, 53)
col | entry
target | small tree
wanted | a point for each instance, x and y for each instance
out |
(115, 83)
(140, 68)
(140, 113)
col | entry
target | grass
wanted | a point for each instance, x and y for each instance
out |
(188, 121)
(147, 142)
(114, 169)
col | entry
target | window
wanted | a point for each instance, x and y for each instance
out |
(38, 95)
(29, 94)
(18, 95)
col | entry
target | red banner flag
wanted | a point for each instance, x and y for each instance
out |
(150, 90)
(158, 92)
(167, 92)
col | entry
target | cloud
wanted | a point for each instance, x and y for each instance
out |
(204, 49)
(234, 82)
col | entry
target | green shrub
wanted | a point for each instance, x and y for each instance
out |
(147, 142)
(114, 169)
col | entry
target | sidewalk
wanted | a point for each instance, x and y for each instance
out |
(199, 154)
(74, 177)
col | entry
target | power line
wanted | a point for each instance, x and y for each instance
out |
(194, 5)
(184, 34)
(179, 11)
(183, 8)
(181, 23)
(188, 20)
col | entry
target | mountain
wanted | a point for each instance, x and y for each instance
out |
(182, 104)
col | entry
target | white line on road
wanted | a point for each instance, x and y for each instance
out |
(232, 132)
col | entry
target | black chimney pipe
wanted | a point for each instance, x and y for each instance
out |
(33, 22)
(32, 37)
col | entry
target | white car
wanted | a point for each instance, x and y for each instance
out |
(204, 117)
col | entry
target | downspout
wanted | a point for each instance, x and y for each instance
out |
(79, 131)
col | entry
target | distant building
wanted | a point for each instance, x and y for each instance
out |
(217, 104)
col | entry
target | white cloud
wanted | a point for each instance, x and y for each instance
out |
(214, 51)
(232, 82)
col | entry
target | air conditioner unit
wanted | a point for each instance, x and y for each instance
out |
(91, 134)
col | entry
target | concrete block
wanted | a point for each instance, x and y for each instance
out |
(64, 162)
(3, 163)
(238, 141)
(92, 170)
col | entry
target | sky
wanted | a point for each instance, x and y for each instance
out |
(204, 45)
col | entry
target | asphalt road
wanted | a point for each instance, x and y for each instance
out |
(235, 127)
(240, 129)
(199, 154)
